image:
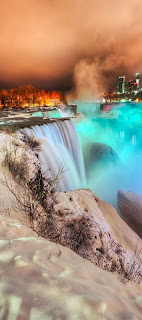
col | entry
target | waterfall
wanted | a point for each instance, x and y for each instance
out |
(66, 112)
(60, 148)
(88, 109)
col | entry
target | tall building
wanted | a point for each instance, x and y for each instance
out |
(138, 80)
(121, 84)
(129, 86)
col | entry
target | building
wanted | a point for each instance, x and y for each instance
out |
(130, 86)
(138, 80)
(121, 84)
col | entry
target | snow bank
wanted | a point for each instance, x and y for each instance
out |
(42, 280)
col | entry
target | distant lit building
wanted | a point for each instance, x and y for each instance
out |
(138, 80)
(121, 84)
(135, 85)
(131, 86)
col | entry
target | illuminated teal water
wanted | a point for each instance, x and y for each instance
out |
(120, 127)
(55, 113)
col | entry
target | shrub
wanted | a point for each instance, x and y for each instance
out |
(31, 142)
(16, 166)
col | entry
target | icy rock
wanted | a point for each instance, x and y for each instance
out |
(130, 206)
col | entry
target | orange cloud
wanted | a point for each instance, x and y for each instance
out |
(44, 41)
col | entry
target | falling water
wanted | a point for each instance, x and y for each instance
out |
(60, 148)
(88, 109)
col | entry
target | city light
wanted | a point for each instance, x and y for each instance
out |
(127, 90)
(29, 96)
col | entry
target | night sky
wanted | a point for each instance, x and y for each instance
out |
(59, 44)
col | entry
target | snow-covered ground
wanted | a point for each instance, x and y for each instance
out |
(41, 280)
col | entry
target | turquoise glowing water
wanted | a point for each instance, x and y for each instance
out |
(48, 114)
(119, 126)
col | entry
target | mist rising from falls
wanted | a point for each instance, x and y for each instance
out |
(60, 148)
(88, 109)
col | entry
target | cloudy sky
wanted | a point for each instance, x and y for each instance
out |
(59, 43)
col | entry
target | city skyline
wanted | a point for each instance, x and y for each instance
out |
(129, 86)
